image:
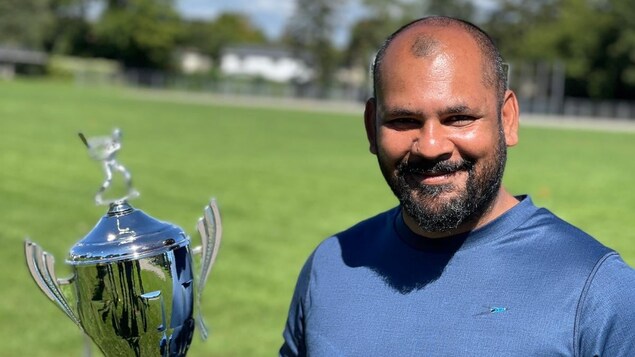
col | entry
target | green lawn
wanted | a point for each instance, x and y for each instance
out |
(285, 179)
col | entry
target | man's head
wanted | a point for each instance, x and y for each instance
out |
(440, 122)
(494, 68)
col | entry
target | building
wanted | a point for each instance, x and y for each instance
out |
(273, 64)
(192, 61)
(15, 59)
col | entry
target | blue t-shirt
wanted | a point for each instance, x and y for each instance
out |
(526, 284)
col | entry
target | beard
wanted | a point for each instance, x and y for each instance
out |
(426, 204)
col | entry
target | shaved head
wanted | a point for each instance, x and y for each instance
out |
(426, 44)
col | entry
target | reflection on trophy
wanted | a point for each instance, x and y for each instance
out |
(133, 289)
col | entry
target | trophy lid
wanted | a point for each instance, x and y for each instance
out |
(126, 233)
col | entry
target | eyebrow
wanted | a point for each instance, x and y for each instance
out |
(455, 109)
(404, 112)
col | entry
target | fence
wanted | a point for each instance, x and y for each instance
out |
(540, 89)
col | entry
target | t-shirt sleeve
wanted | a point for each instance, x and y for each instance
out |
(294, 343)
(606, 314)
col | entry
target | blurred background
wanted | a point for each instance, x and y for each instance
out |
(259, 103)
(572, 57)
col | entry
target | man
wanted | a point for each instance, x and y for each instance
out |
(461, 267)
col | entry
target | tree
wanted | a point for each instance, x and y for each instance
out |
(594, 39)
(139, 33)
(463, 9)
(24, 23)
(211, 37)
(621, 49)
(309, 33)
(70, 32)
(384, 17)
(366, 36)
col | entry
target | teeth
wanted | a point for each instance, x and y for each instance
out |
(438, 173)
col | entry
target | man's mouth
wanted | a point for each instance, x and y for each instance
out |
(433, 177)
(433, 173)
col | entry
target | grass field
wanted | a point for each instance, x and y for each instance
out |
(285, 179)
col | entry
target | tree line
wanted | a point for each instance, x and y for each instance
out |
(594, 39)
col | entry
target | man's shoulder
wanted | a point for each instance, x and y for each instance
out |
(372, 224)
(548, 241)
(362, 235)
(555, 231)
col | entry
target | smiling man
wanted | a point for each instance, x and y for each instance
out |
(461, 267)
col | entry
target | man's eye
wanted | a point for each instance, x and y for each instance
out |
(403, 123)
(460, 120)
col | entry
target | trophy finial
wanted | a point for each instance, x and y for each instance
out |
(104, 149)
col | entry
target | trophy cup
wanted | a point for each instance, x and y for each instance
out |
(133, 290)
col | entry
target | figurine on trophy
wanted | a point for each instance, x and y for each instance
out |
(104, 149)
(134, 289)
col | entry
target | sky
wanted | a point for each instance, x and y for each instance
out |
(268, 15)
(271, 15)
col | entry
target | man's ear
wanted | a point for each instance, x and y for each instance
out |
(510, 117)
(370, 113)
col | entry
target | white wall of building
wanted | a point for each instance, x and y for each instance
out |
(274, 68)
(193, 62)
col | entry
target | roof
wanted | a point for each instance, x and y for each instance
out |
(21, 56)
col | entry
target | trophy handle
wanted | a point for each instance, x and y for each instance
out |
(210, 229)
(42, 267)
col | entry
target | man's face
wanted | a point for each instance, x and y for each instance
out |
(437, 132)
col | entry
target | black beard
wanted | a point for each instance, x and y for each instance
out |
(467, 206)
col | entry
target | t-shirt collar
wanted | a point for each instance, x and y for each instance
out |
(487, 233)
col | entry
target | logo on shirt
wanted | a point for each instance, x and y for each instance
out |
(497, 309)
(493, 310)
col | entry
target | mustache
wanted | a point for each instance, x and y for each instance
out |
(427, 167)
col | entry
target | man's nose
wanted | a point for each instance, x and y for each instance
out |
(433, 143)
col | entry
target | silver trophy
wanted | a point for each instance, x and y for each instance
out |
(133, 290)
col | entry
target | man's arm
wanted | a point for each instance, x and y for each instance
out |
(294, 334)
(605, 325)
